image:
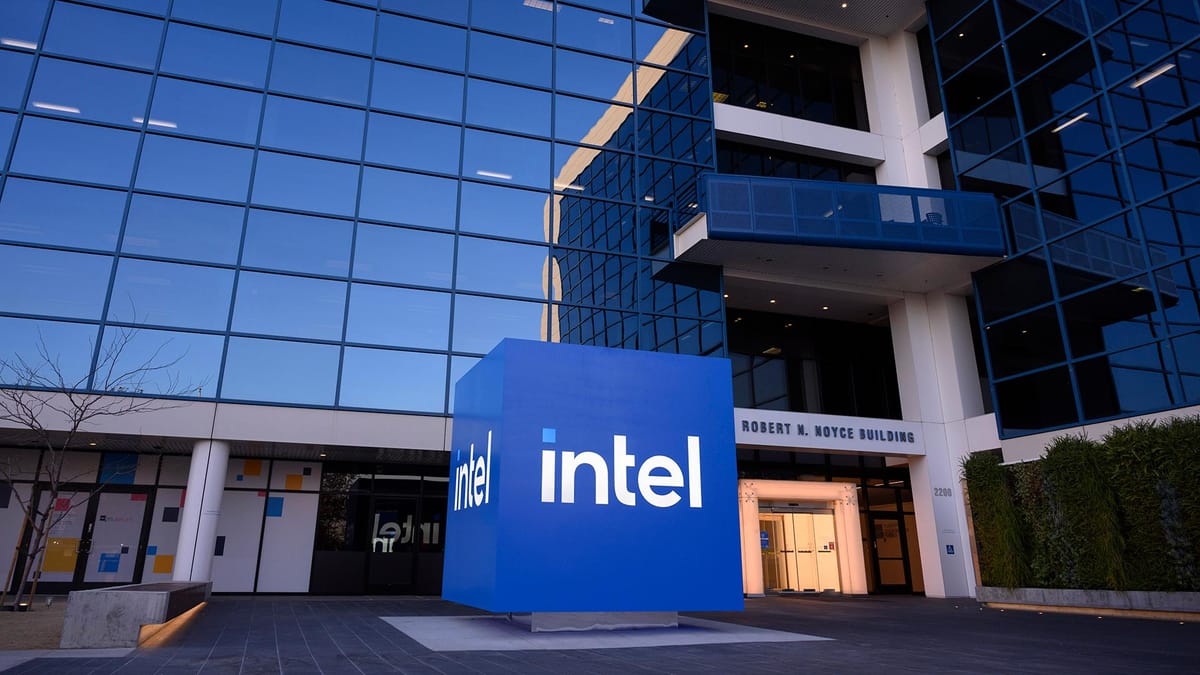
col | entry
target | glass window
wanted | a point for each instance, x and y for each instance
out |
(683, 93)
(446, 10)
(205, 110)
(83, 91)
(588, 223)
(169, 294)
(1179, 288)
(670, 47)
(297, 243)
(409, 198)
(413, 144)
(593, 172)
(320, 73)
(68, 344)
(102, 35)
(403, 256)
(459, 365)
(392, 380)
(594, 76)
(481, 323)
(254, 16)
(399, 317)
(65, 215)
(1112, 317)
(216, 55)
(594, 31)
(303, 183)
(506, 107)
(1132, 381)
(675, 137)
(194, 168)
(327, 23)
(507, 59)
(53, 283)
(265, 370)
(8, 123)
(290, 123)
(162, 362)
(421, 42)
(507, 159)
(582, 120)
(1025, 342)
(514, 17)
(182, 228)
(75, 151)
(394, 85)
(274, 304)
(488, 209)
(150, 6)
(14, 74)
(21, 23)
(502, 267)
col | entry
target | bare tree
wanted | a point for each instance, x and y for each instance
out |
(39, 396)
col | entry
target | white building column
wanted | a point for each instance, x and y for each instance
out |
(201, 510)
(939, 387)
(752, 572)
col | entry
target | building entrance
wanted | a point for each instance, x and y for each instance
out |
(799, 552)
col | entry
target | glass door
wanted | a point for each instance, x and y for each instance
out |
(770, 528)
(799, 552)
(891, 566)
(113, 541)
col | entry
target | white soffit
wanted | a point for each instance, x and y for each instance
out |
(827, 18)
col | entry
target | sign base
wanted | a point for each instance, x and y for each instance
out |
(553, 622)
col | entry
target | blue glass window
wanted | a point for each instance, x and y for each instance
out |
(66, 215)
(53, 283)
(170, 363)
(169, 294)
(506, 159)
(14, 74)
(183, 228)
(8, 123)
(320, 73)
(445, 10)
(589, 171)
(194, 168)
(149, 6)
(102, 35)
(580, 120)
(459, 365)
(408, 198)
(502, 267)
(68, 344)
(274, 304)
(441, 93)
(254, 16)
(403, 256)
(421, 42)
(308, 184)
(594, 31)
(660, 45)
(75, 151)
(21, 23)
(287, 241)
(413, 144)
(506, 107)
(399, 317)
(514, 17)
(266, 370)
(205, 110)
(507, 59)
(594, 76)
(481, 323)
(215, 55)
(488, 209)
(292, 124)
(393, 380)
(327, 23)
(88, 92)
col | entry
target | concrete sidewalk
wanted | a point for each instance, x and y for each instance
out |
(881, 633)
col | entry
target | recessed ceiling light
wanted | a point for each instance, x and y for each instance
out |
(745, 46)
(92, 444)
(962, 35)
(727, 295)
(824, 308)
(845, 5)
(772, 301)
(787, 325)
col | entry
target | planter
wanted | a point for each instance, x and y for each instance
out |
(1146, 601)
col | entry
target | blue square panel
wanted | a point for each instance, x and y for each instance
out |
(587, 479)
(274, 507)
(109, 563)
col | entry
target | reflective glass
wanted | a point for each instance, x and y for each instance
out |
(8, 124)
(398, 317)
(194, 168)
(594, 76)
(21, 22)
(393, 380)
(688, 94)
(182, 228)
(14, 75)
(594, 31)
(1132, 381)
(216, 55)
(675, 137)
(293, 124)
(1172, 224)
(265, 370)
(503, 267)
(327, 23)
(169, 294)
(587, 223)
(1025, 342)
(593, 172)
(75, 151)
(459, 365)
(88, 92)
(320, 73)
(421, 42)
(1112, 317)
(1179, 288)
(408, 198)
(441, 93)
(584, 278)
(53, 283)
(481, 323)
(507, 159)
(445, 10)
(671, 47)
(149, 6)
(506, 107)
(404, 256)
(582, 120)
(68, 344)
(413, 144)
(64, 215)
(163, 362)
(488, 209)
(303, 183)
(514, 17)
(205, 110)
(255, 16)
(274, 304)
(508, 59)
(102, 35)
(296, 243)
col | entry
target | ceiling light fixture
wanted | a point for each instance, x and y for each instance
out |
(1068, 123)
(494, 174)
(845, 5)
(772, 301)
(56, 107)
(824, 308)
(1151, 75)
(10, 42)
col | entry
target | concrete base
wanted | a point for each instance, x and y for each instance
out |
(113, 617)
(553, 622)
(1150, 601)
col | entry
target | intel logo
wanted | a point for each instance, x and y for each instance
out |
(659, 478)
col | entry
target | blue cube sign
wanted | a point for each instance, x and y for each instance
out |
(587, 479)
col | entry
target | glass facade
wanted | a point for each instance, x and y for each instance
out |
(1082, 116)
(340, 203)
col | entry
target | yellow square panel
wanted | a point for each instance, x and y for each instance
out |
(164, 564)
(293, 481)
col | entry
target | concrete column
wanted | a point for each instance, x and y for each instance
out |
(752, 573)
(201, 511)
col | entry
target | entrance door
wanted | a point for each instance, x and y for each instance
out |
(799, 552)
(890, 568)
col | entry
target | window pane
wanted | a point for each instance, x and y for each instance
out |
(53, 283)
(319, 73)
(205, 110)
(514, 17)
(507, 159)
(441, 93)
(399, 316)
(421, 42)
(459, 365)
(446, 10)
(265, 370)
(488, 209)
(194, 168)
(327, 23)
(168, 294)
(68, 344)
(506, 107)
(274, 304)
(21, 22)
(255, 16)
(408, 198)
(75, 151)
(413, 144)
(182, 228)
(216, 55)
(302, 183)
(594, 31)
(480, 323)
(403, 256)
(379, 378)
(150, 6)
(584, 121)
(507, 59)
(89, 92)
(8, 123)
(594, 76)
(297, 243)
(14, 74)
(178, 364)
(592, 172)
(501, 267)
(103, 35)
(53, 213)
(290, 123)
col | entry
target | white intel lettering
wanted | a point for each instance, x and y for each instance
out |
(658, 478)
(472, 479)
(386, 536)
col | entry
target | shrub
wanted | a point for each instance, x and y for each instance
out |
(998, 527)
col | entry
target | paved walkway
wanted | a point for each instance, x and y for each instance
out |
(254, 635)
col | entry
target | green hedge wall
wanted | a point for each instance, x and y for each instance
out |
(1122, 513)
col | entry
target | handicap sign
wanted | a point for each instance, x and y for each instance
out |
(949, 549)
(764, 539)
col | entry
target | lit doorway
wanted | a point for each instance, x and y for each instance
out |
(799, 552)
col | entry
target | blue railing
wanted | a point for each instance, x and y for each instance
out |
(851, 215)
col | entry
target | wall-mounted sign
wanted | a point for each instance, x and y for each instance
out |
(812, 431)
(587, 479)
